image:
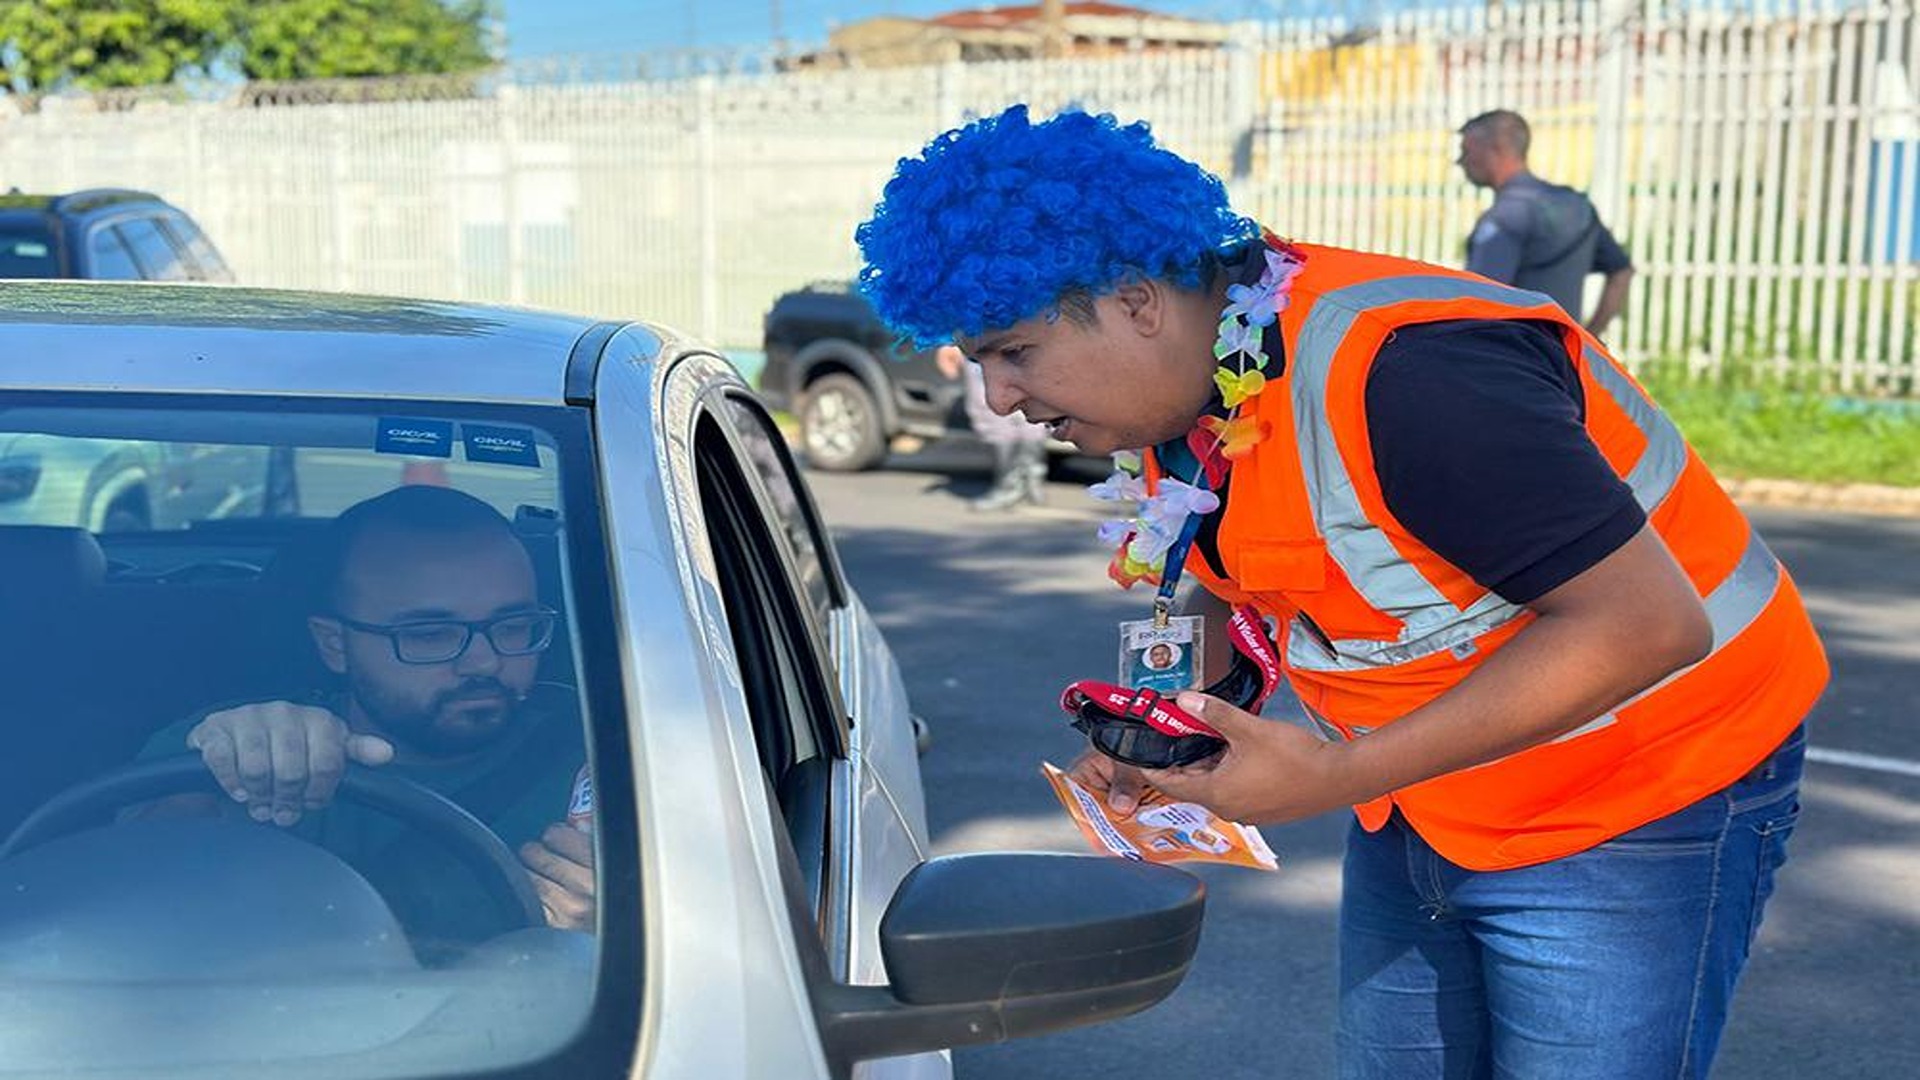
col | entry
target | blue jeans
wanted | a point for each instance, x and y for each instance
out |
(1616, 963)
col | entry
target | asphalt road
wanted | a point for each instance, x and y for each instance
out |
(991, 614)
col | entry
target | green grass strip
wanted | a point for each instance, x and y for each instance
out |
(1745, 428)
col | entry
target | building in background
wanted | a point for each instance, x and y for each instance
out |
(1077, 30)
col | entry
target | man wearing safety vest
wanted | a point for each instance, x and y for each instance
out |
(1549, 664)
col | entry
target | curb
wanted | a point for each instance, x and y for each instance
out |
(1807, 495)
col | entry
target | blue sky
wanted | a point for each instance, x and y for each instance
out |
(546, 27)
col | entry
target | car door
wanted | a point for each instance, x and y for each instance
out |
(829, 714)
(786, 674)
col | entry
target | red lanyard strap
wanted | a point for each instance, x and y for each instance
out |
(1139, 705)
(1139, 726)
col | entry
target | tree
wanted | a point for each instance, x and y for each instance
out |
(48, 45)
(99, 44)
(331, 39)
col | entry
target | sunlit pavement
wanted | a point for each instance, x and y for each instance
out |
(992, 613)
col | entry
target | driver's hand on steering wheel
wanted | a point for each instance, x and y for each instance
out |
(279, 759)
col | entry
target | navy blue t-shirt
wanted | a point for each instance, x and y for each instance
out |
(1479, 442)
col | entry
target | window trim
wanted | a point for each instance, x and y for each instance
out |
(837, 592)
(182, 230)
(93, 232)
(776, 646)
(148, 273)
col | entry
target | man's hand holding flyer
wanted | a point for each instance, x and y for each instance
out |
(1160, 830)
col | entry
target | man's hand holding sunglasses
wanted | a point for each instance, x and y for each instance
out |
(1271, 771)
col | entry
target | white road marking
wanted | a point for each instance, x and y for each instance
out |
(1872, 762)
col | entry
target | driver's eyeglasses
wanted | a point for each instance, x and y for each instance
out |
(437, 641)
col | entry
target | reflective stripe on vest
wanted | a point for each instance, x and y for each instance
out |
(1731, 608)
(1390, 584)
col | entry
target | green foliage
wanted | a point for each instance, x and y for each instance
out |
(1745, 426)
(332, 39)
(102, 44)
(48, 45)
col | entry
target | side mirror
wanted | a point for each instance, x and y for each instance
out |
(984, 948)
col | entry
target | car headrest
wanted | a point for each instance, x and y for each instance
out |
(50, 559)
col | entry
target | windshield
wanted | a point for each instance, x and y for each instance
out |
(208, 610)
(28, 252)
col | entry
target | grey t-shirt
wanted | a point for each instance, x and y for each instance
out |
(1543, 237)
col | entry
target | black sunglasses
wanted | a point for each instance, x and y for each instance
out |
(1119, 727)
(1142, 745)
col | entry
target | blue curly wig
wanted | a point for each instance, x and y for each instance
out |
(996, 221)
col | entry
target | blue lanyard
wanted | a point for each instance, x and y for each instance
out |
(1177, 552)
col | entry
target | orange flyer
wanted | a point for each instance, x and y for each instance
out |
(1160, 830)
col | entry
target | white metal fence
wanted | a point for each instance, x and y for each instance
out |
(1761, 164)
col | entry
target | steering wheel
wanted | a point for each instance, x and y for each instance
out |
(501, 876)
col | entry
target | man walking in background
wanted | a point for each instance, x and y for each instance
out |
(1019, 448)
(1536, 235)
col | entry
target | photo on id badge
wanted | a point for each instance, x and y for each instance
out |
(1160, 658)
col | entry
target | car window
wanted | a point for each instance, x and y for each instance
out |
(28, 253)
(181, 565)
(791, 697)
(207, 263)
(794, 515)
(153, 250)
(110, 258)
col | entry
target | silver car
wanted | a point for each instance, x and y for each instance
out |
(733, 734)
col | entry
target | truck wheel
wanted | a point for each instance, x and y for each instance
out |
(127, 514)
(118, 503)
(840, 425)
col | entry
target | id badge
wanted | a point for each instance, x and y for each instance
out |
(1162, 658)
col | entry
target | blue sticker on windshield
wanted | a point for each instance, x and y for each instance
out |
(500, 445)
(420, 438)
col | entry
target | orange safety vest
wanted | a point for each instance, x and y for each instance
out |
(1374, 624)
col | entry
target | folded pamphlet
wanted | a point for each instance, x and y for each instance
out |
(1160, 830)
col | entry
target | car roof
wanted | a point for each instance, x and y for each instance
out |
(148, 337)
(76, 202)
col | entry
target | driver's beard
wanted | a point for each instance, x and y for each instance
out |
(431, 731)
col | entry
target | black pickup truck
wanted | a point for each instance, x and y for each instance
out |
(849, 382)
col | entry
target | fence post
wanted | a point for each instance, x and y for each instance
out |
(195, 169)
(1607, 187)
(339, 205)
(705, 176)
(948, 79)
(506, 102)
(1243, 106)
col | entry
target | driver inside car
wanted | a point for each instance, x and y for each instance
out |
(429, 624)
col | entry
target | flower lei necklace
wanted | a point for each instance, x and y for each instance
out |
(1144, 539)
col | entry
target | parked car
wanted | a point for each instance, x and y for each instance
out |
(848, 380)
(113, 485)
(853, 386)
(106, 234)
(766, 904)
(123, 485)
